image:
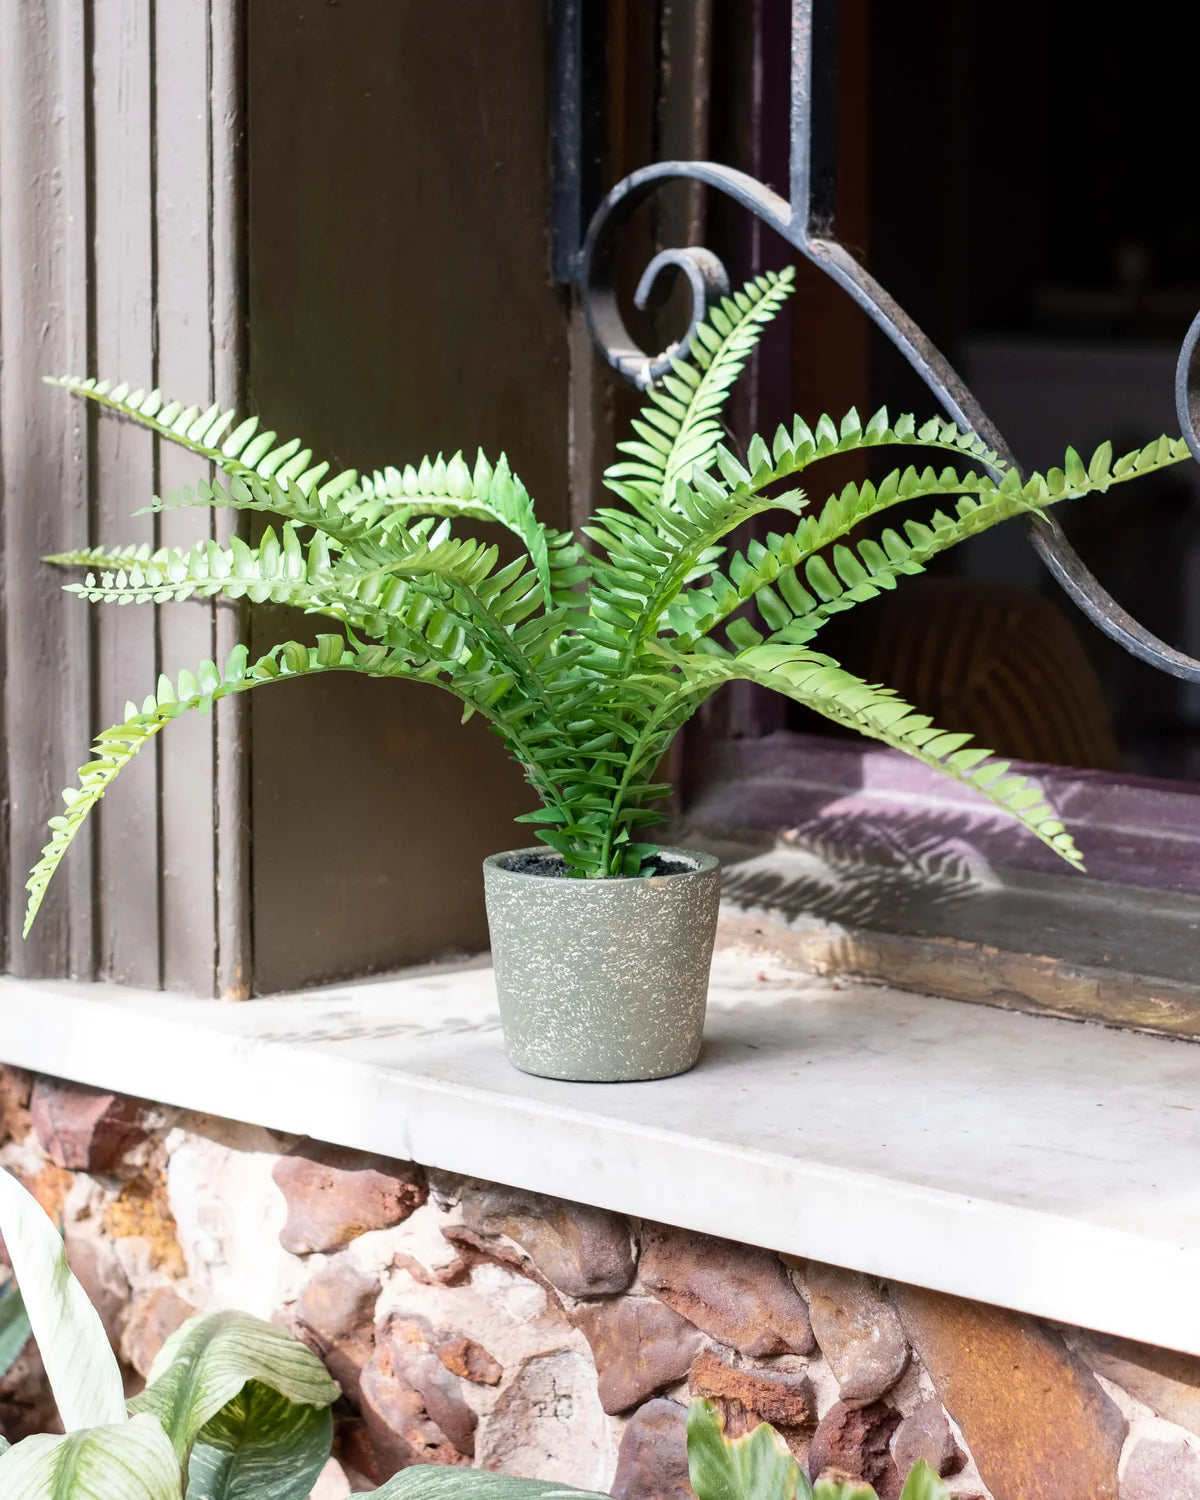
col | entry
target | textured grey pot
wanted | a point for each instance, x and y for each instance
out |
(602, 981)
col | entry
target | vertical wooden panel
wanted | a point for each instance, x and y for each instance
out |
(120, 166)
(400, 302)
(43, 462)
(183, 264)
(228, 316)
(123, 289)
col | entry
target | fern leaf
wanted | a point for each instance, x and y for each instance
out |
(437, 487)
(480, 687)
(820, 683)
(651, 556)
(680, 427)
(783, 575)
(243, 452)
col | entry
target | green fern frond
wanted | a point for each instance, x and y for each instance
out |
(206, 432)
(819, 683)
(437, 487)
(652, 553)
(679, 429)
(115, 747)
(798, 580)
(480, 687)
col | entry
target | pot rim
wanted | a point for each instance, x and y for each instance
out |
(705, 864)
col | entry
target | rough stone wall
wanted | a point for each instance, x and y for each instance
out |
(473, 1323)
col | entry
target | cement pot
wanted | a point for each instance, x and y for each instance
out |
(601, 981)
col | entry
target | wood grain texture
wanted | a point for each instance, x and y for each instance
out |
(120, 232)
(185, 369)
(43, 462)
(399, 303)
(127, 645)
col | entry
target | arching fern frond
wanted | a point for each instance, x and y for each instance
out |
(680, 428)
(440, 487)
(481, 688)
(819, 683)
(798, 580)
(652, 553)
(242, 452)
(116, 747)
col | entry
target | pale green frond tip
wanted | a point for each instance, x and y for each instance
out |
(585, 663)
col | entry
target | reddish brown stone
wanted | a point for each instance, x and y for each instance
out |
(858, 1332)
(1034, 1420)
(739, 1295)
(16, 1086)
(582, 1251)
(476, 1249)
(85, 1129)
(94, 1263)
(354, 1450)
(783, 1398)
(653, 1462)
(453, 1273)
(153, 1318)
(469, 1360)
(26, 1401)
(335, 1315)
(334, 1195)
(413, 1406)
(855, 1441)
(640, 1347)
(926, 1434)
(1161, 1471)
(1169, 1383)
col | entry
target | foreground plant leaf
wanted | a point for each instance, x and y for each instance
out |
(759, 1466)
(207, 1362)
(80, 1365)
(260, 1446)
(14, 1327)
(923, 1483)
(433, 1482)
(843, 1489)
(131, 1461)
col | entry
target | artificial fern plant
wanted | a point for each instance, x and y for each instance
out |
(586, 663)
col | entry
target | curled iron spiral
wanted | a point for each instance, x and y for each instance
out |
(793, 221)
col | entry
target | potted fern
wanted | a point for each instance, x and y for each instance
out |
(586, 663)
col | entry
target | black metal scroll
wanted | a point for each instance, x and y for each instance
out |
(805, 220)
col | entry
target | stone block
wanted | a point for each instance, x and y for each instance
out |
(334, 1195)
(581, 1251)
(1036, 1422)
(856, 1441)
(411, 1404)
(741, 1296)
(469, 1360)
(1161, 1470)
(153, 1317)
(783, 1398)
(335, 1314)
(926, 1434)
(640, 1346)
(1168, 1382)
(85, 1129)
(548, 1424)
(653, 1463)
(857, 1331)
(16, 1086)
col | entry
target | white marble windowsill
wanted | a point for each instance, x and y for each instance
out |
(1032, 1163)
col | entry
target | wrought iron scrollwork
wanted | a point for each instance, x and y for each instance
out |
(805, 222)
